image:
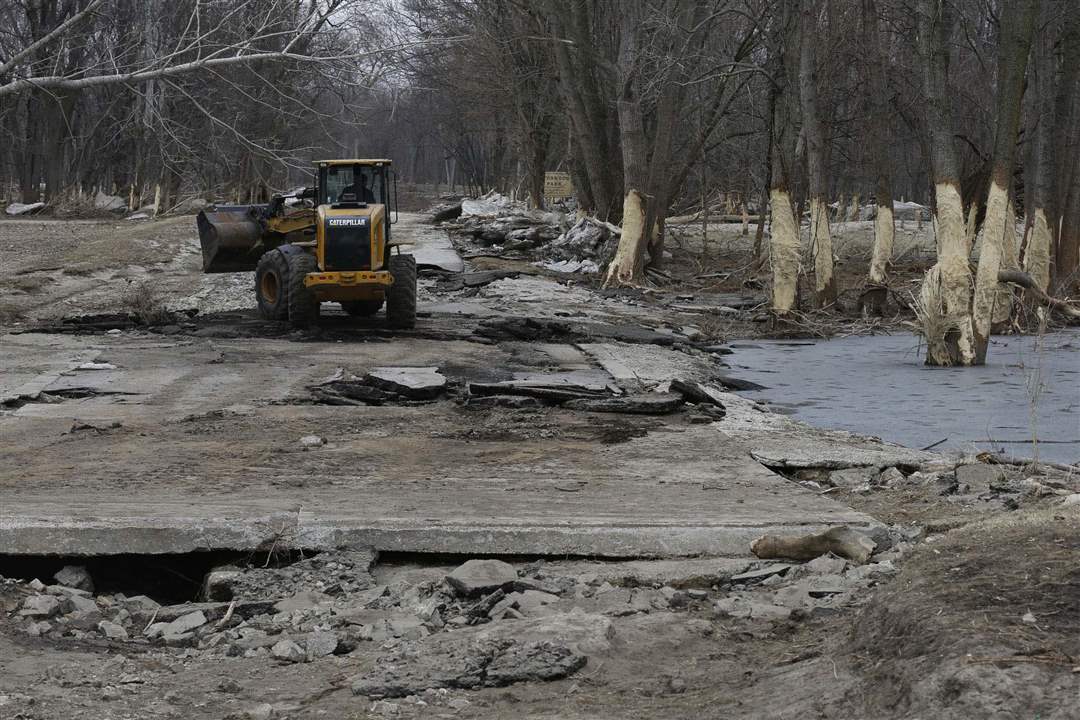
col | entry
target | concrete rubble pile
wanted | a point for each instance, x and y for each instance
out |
(485, 623)
(575, 391)
(558, 241)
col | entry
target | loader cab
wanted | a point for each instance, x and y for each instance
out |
(353, 184)
(357, 184)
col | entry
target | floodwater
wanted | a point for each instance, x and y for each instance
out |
(878, 385)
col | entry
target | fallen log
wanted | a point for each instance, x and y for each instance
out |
(841, 541)
(1022, 279)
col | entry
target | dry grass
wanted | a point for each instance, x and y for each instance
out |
(1000, 593)
(143, 303)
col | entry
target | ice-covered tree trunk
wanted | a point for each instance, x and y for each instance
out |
(999, 236)
(813, 124)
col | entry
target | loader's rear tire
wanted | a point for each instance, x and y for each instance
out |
(303, 305)
(271, 286)
(401, 299)
(362, 308)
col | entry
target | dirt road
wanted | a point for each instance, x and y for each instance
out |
(151, 455)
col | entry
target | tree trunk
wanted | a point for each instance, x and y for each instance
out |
(1017, 28)
(784, 227)
(945, 296)
(628, 264)
(1067, 147)
(820, 237)
(884, 226)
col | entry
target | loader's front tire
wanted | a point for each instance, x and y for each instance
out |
(303, 305)
(362, 308)
(401, 300)
(271, 286)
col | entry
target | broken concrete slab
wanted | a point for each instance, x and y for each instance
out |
(639, 404)
(415, 383)
(554, 390)
(636, 366)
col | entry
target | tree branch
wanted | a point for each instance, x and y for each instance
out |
(1017, 277)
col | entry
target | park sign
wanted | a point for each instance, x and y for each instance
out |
(557, 185)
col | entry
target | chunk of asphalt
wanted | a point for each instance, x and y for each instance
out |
(415, 383)
(641, 404)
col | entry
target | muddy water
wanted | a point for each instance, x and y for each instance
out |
(879, 386)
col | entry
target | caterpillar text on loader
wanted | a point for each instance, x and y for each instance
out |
(337, 248)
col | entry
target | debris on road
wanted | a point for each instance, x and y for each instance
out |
(841, 541)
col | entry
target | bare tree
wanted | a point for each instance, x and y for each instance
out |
(879, 140)
(784, 38)
(816, 154)
(999, 231)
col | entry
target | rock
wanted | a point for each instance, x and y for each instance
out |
(739, 607)
(476, 577)
(262, 711)
(531, 601)
(584, 633)
(751, 576)
(37, 629)
(532, 662)
(697, 594)
(182, 639)
(288, 651)
(24, 208)
(78, 603)
(863, 572)
(482, 664)
(111, 692)
(891, 477)
(179, 626)
(1070, 500)
(679, 600)
(75, 576)
(36, 585)
(40, 606)
(826, 585)
(642, 404)
(320, 644)
(305, 600)
(63, 591)
(312, 441)
(112, 630)
(415, 383)
(828, 564)
(510, 401)
(853, 478)
(977, 478)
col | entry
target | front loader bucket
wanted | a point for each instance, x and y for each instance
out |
(231, 238)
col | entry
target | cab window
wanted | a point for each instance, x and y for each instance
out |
(363, 182)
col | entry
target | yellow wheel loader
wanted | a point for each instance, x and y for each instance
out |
(329, 243)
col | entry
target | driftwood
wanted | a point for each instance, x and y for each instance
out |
(1017, 277)
(841, 541)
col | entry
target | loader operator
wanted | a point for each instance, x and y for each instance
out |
(358, 188)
